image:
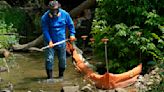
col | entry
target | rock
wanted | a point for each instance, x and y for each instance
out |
(41, 91)
(3, 69)
(4, 53)
(153, 72)
(10, 86)
(137, 84)
(133, 90)
(120, 90)
(87, 88)
(143, 88)
(106, 90)
(157, 77)
(146, 76)
(149, 88)
(5, 90)
(149, 83)
(51, 81)
(156, 69)
(70, 89)
(140, 79)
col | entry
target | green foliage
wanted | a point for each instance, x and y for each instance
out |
(134, 29)
(7, 35)
(15, 16)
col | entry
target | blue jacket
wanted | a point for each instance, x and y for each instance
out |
(54, 29)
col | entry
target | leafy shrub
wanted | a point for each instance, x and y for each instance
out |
(8, 35)
(15, 16)
(134, 29)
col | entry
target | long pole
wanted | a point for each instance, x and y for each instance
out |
(84, 38)
(106, 56)
(57, 43)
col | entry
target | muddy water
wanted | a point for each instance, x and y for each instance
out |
(29, 73)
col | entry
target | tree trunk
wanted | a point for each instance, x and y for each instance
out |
(86, 4)
(38, 41)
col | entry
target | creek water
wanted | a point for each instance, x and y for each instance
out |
(29, 72)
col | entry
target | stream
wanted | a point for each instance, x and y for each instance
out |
(28, 74)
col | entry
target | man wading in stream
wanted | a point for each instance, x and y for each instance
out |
(54, 23)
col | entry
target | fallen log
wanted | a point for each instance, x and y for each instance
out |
(27, 46)
(38, 41)
(85, 5)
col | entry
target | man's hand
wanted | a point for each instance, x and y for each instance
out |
(51, 44)
(72, 38)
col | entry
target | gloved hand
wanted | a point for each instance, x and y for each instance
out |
(72, 38)
(51, 44)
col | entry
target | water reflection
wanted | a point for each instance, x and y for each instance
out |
(29, 74)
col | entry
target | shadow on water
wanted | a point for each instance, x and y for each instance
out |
(30, 72)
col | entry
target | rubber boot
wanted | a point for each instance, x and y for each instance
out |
(49, 77)
(61, 72)
(49, 74)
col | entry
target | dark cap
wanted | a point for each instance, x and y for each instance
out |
(54, 4)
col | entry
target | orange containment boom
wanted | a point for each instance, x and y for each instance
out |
(108, 80)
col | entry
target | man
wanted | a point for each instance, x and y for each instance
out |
(54, 23)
